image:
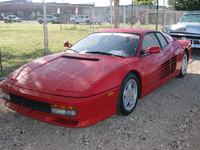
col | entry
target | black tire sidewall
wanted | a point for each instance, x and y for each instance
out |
(120, 107)
(87, 22)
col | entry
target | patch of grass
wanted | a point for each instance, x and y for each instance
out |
(21, 43)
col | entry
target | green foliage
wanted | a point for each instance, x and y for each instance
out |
(171, 3)
(189, 5)
(144, 2)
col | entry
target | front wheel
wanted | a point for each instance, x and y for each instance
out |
(87, 22)
(128, 95)
(40, 21)
(184, 65)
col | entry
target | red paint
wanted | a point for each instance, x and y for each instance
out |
(152, 50)
(85, 80)
(66, 44)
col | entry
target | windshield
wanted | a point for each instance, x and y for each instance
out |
(121, 44)
(190, 18)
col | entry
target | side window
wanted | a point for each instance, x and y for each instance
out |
(82, 16)
(162, 40)
(86, 16)
(168, 37)
(149, 40)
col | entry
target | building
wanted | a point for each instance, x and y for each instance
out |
(27, 10)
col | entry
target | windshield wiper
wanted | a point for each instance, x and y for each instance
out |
(72, 50)
(98, 52)
(103, 53)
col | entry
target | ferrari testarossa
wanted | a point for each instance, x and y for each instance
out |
(103, 74)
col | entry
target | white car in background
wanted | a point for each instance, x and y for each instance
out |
(12, 18)
(85, 19)
(50, 19)
(188, 28)
(81, 19)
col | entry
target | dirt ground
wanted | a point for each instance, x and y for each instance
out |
(168, 118)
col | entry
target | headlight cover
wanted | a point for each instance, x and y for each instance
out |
(165, 30)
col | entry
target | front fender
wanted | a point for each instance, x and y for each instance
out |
(112, 79)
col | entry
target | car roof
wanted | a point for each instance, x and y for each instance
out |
(192, 12)
(130, 30)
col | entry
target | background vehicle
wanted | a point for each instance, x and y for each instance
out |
(50, 19)
(127, 20)
(81, 19)
(84, 19)
(12, 18)
(187, 28)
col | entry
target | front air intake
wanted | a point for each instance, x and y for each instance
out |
(81, 58)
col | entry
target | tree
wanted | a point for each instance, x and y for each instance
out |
(171, 3)
(189, 5)
(144, 2)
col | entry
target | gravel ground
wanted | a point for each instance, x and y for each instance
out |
(168, 118)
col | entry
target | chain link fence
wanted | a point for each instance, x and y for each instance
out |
(32, 30)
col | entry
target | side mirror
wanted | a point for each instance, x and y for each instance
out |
(152, 49)
(66, 44)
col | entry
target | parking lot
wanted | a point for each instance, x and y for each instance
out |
(168, 118)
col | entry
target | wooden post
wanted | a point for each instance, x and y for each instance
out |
(116, 17)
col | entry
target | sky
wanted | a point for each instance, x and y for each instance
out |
(97, 2)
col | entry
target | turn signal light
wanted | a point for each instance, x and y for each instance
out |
(64, 107)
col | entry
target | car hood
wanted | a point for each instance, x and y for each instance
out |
(64, 74)
(186, 27)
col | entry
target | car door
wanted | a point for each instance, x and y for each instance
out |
(153, 66)
(10, 18)
(78, 19)
(169, 50)
(82, 19)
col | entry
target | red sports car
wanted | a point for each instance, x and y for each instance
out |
(103, 74)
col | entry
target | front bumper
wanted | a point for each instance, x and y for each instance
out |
(194, 38)
(90, 109)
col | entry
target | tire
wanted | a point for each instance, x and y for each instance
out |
(128, 95)
(40, 21)
(87, 22)
(184, 65)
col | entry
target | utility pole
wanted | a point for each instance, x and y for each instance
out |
(111, 13)
(136, 13)
(45, 29)
(116, 17)
(163, 20)
(131, 13)
(157, 16)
